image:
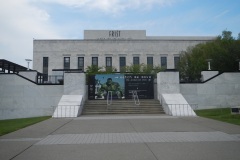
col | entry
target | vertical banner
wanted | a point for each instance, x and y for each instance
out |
(120, 85)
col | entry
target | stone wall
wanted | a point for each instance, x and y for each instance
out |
(29, 74)
(56, 50)
(167, 82)
(114, 34)
(21, 98)
(208, 74)
(222, 91)
(75, 84)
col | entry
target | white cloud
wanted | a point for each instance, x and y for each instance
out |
(111, 6)
(21, 22)
(221, 14)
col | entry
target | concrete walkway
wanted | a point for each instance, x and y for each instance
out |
(126, 137)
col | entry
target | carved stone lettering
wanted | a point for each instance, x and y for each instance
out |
(114, 34)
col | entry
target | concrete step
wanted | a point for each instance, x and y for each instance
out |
(122, 101)
(122, 107)
(123, 112)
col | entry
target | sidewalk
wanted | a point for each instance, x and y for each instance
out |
(126, 137)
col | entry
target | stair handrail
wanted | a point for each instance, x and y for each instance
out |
(109, 95)
(135, 98)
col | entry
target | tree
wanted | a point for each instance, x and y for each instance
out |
(93, 69)
(134, 68)
(238, 36)
(227, 35)
(223, 51)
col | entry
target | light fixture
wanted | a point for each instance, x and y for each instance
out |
(209, 63)
(28, 61)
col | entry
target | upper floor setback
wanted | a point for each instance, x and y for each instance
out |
(91, 35)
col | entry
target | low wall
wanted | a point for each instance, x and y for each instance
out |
(222, 91)
(29, 74)
(21, 98)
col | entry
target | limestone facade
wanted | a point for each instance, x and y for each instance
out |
(114, 44)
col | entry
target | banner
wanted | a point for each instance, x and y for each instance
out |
(143, 84)
(120, 85)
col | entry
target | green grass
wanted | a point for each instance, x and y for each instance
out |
(221, 114)
(7, 126)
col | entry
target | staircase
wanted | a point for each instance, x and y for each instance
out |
(147, 106)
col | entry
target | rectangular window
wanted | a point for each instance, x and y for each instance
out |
(164, 62)
(109, 64)
(108, 61)
(135, 60)
(150, 62)
(176, 62)
(81, 63)
(45, 68)
(66, 63)
(122, 62)
(95, 61)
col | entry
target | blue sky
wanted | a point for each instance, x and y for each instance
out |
(23, 20)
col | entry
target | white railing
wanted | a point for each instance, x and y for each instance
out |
(180, 109)
(109, 98)
(135, 97)
(66, 111)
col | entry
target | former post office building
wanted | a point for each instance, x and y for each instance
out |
(110, 48)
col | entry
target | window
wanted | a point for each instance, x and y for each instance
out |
(176, 62)
(109, 64)
(135, 60)
(122, 62)
(150, 62)
(164, 62)
(108, 61)
(81, 63)
(94, 61)
(45, 68)
(66, 63)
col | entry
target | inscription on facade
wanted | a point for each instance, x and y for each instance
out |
(114, 34)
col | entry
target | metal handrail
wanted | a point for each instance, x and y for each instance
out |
(135, 98)
(61, 110)
(109, 95)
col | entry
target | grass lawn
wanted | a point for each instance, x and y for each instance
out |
(7, 126)
(221, 114)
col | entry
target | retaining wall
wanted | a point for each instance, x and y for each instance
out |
(20, 98)
(222, 91)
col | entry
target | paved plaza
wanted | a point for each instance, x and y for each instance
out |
(124, 137)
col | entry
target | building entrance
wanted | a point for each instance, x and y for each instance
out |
(121, 86)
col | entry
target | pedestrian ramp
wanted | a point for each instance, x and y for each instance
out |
(176, 105)
(69, 106)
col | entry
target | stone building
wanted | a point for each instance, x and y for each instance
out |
(110, 48)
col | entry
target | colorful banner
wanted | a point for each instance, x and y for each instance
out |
(120, 85)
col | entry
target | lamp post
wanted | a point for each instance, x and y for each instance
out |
(238, 60)
(209, 63)
(28, 61)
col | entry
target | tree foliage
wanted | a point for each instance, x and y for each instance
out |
(93, 69)
(223, 51)
(136, 69)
